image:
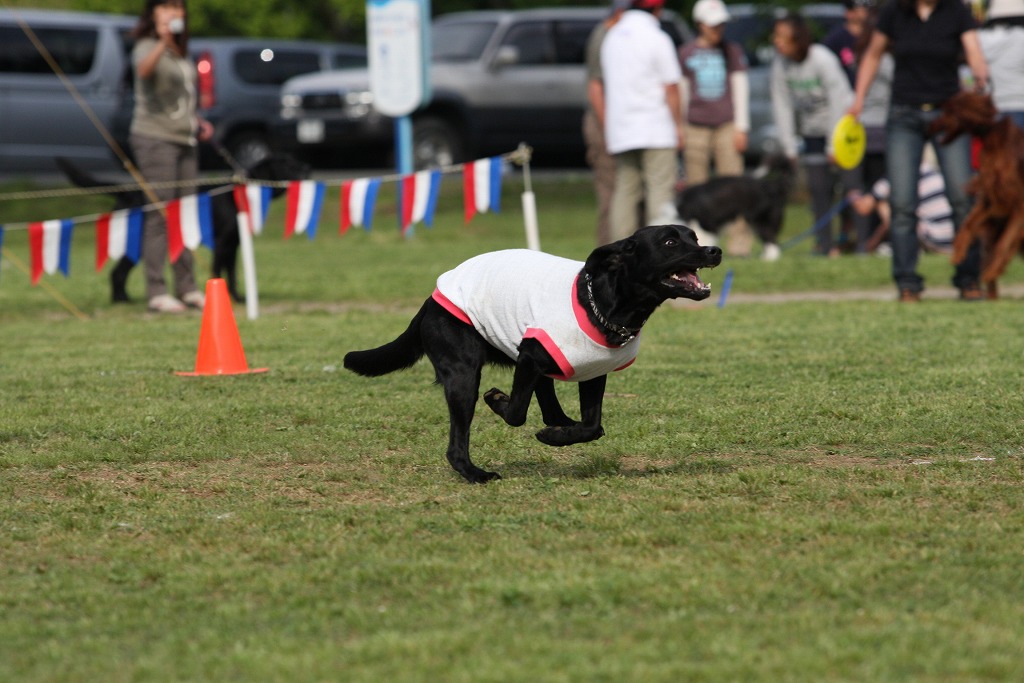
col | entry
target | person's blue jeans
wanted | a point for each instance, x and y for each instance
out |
(906, 135)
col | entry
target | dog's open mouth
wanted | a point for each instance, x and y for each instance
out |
(689, 283)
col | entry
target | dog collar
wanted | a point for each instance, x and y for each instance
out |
(629, 333)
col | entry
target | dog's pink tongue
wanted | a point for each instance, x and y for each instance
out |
(691, 279)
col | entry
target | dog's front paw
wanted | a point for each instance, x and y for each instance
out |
(497, 400)
(565, 436)
(475, 475)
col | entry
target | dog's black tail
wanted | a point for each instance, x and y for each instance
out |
(76, 175)
(399, 354)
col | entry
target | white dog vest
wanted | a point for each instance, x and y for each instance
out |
(517, 294)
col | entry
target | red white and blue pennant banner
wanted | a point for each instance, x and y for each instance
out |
(190, 221)
(189, 224)
(50, 244)
(358, 199)
(118, 234)
(481, 183)
(302, 214)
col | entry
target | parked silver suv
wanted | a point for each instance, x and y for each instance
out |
(239, 88)
(39, 119)
(498, 79)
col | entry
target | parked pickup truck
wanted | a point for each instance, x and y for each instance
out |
(498, 78)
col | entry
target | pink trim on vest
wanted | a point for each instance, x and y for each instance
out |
(552, 348)
(583, 321)
(450, 307)
(623, 367)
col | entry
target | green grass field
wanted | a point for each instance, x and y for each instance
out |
(801, 491)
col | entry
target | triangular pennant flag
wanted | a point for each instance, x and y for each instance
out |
(259, 197)
(362, 196)
(496, 169)
(345, 217)
(252, 202)
(356, 201)
(50, 246)
(242, 210)
(430, 206)
(174, 239)
(136, 224)
(370, 202)
(419, 197)
(305, 198)
(482, 185)
(102, 240)
(119, 233)
(189, 224)
(487, 184)
(428, 186)
(408, 190)
(469, 190)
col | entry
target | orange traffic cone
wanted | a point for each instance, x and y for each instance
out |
(220, 347)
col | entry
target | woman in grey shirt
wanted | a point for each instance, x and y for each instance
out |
(165, 131)
(810, 93)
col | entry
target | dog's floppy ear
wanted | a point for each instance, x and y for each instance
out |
(610, 257)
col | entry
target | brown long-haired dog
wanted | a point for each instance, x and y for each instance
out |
(997, 218)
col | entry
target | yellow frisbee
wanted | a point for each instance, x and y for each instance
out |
(848, 142)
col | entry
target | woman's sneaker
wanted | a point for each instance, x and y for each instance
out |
(194, 299)
(165, 303)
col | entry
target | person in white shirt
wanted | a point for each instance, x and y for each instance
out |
(643, 114)
(1002, 42)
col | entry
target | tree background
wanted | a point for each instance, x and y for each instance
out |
(336, 20)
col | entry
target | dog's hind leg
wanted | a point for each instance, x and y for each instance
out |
(589, 428)
(225, 262)
(458, 354)
(119, 280)
(460, 392)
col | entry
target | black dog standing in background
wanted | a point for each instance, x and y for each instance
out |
(222, 207)
(548, 317)
(760, 199)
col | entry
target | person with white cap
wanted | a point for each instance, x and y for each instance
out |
(1002, 42)
(643, 114)
(716, 94)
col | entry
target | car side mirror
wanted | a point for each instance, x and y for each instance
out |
(508, 55)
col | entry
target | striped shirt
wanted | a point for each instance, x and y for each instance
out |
(935, 225)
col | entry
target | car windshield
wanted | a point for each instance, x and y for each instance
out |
(460, 41)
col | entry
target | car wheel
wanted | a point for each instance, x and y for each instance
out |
(435, 143)
(249, 148)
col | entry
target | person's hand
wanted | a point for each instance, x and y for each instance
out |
(855, 109)
(205, 131)
(739, 140)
